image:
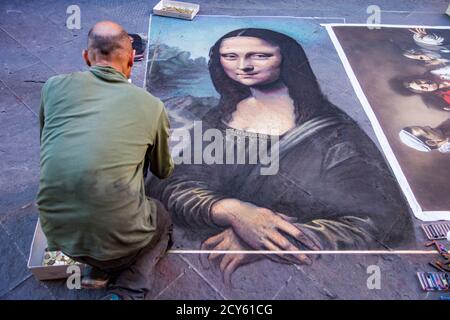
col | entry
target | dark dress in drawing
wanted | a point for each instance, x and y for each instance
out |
(332, 179)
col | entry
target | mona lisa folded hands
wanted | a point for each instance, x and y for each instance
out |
(261, 228)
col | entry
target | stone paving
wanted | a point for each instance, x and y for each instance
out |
(35, 44)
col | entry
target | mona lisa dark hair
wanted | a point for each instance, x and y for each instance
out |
(295, 73)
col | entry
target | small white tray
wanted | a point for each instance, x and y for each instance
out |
(159, 9)
(36, 258)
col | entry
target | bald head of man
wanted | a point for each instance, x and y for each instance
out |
(109, 45)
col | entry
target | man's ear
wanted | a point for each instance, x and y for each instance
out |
(86, 57)
(131, 59)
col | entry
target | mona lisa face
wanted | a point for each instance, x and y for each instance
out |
(250, 61)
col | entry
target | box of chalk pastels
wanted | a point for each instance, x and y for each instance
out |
(434, 281)
(436, 230)
(48, 265)
(176, 9)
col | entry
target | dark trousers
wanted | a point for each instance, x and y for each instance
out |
(132, 275)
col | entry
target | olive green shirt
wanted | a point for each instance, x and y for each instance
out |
(98, 132)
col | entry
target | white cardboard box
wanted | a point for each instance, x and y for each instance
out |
(158, 9)
(36, 258)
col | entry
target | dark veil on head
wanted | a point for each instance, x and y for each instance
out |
(296, 73)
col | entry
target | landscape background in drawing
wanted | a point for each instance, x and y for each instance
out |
(377, 61)
(177, 61)
(180, 60)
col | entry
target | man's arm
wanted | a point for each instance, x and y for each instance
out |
(161, 162)
(192, 189)
(41, 114)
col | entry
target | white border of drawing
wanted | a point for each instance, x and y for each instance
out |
(418, 212)
(146, 53)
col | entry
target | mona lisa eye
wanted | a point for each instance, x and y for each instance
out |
(229, 56)
(261, 55)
